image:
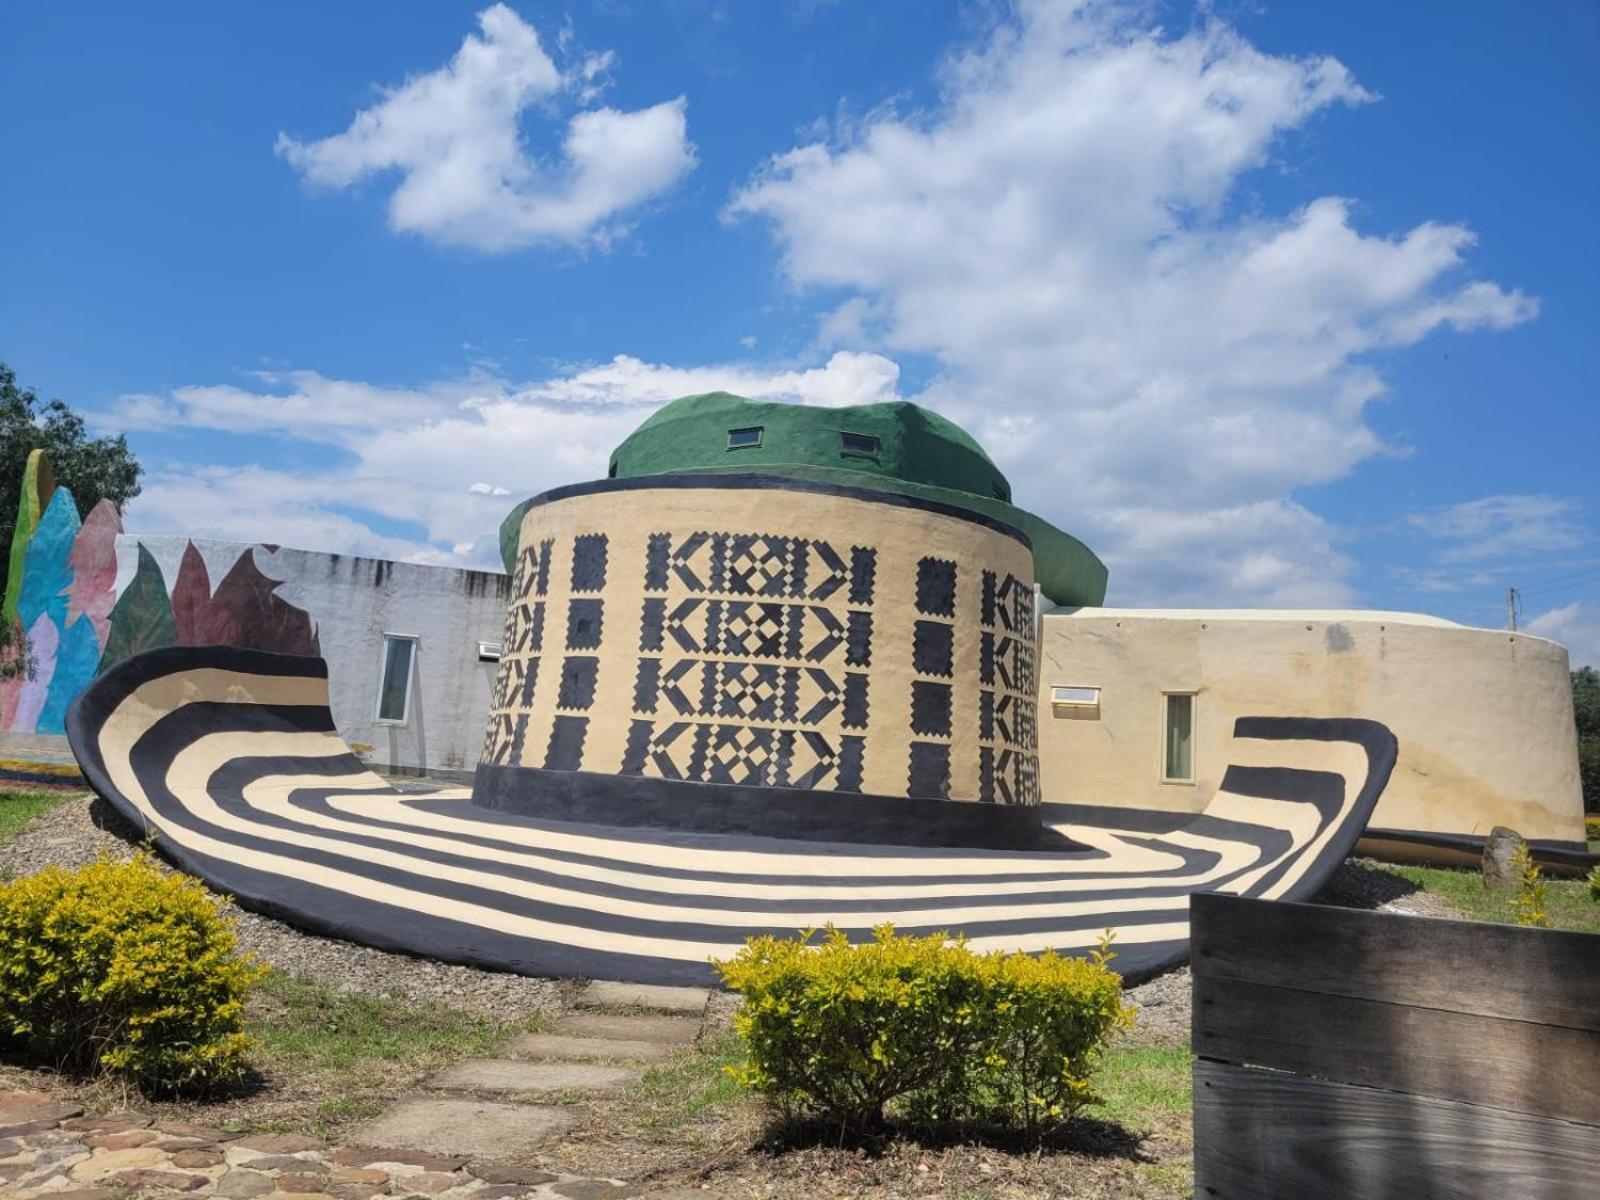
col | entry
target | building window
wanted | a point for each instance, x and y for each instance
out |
(1177, 742)
(744, 439)
(860, 445)
(1071, 700)
(394, 686)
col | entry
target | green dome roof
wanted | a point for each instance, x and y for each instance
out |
(894, 441)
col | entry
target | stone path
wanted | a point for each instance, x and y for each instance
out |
(459, 1137)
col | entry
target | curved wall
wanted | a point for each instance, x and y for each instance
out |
(1483, 716)
(872, 652)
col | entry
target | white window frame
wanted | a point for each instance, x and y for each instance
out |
(759, 430)
(411, 676)
(1194, 737)
(1075, 705)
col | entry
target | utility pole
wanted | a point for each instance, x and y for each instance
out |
(1511, 609)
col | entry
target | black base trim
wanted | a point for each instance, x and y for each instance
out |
(1571, 857)
(765, 812)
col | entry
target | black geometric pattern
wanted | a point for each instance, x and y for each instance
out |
(1007, 708)
(578, 676)
(936, 587)
(933, 648)
(744, 647)
(930, 771)
(584, 619)
(589, 562)
(930, 708)
(566, 744)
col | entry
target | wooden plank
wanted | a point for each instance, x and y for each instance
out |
(1543, 975)
(1265, 1136)
(1546, 1070)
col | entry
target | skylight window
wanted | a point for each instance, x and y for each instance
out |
(861, 445)
(744, 439)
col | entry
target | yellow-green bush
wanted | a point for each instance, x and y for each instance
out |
(119, 966)
(924, 1024)
(1594, 883)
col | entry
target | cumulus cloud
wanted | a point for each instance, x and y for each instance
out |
(467, 174)
(448, 459)
(1576, 626)
(1495, 527)
(1062, 232)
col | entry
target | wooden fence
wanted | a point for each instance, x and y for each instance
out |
(1369, 1056)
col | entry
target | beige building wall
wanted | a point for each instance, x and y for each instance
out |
(1483, 717)
(770, 635)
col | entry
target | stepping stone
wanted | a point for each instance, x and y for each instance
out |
(509, 1075)
(603, 993)
(671, 1031)
(563, 1047)
(468, 1128)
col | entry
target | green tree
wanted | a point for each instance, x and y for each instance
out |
(1586, 707)
(94, 468)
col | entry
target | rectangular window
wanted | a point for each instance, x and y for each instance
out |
(744, 439)
(1075, 700)
(862, 445)
(1177, 760)
(394, 686)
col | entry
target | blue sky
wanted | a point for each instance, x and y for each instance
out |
(1272, 304)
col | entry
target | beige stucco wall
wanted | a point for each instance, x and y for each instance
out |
(769, 635)
(1483, 717)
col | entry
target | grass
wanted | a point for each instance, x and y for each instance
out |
(18, 809)
(346, 1052)
(1567, 901)
(691, 1087)
(1143, 1087)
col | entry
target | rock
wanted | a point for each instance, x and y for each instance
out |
(200, 1133)
(511, 1173)
(279, 1143)
(471, 1128)
(359, 1191)
(284, 1162)
(606, 994)
(431, 1183)
(364, 1156)
(241, 1183)
(595, 1189)
(301, 1181)
(1499, 854)
(110, 1123)
(126, 1140)
(678, 1031)
(197, 1159)
(586, 1049)
(358, 1175)
(103, 1166)
(497, 1192)
(172, 1181)
(509, 1075)
(9, 1147)
(89, 1193)
(32, 1112)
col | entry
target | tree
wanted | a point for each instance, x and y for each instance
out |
(1586, 707)
(94, 469)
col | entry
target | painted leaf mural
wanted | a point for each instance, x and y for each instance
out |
(31, 697)
(191, 596)
(247, 611)
(38, 486)
(47, 569)
(142, 617)
(94, 570)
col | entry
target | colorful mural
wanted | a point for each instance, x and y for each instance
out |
(63, 589)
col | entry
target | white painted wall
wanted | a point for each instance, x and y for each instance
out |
(1483, 717)
(353, 602)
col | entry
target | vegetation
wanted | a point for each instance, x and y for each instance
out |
(1586, 709)
(1532, 892)
(1567, 903)
(18, 809)
(121, 967)
(1594, 885)
(16, 657)
(94, 468)
(924, 1024)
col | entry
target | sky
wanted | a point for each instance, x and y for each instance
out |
(1272, 304)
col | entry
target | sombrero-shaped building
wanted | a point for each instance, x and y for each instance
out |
(777, 670)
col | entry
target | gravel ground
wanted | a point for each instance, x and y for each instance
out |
(80, 830)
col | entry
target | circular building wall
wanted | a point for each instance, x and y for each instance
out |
(768, 655)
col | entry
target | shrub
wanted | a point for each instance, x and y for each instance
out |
(924, 1023)
(1532, 892)
(120, 966)
(1591, 828)
(1594, 884)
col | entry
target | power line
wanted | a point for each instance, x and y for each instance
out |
(1571, 582)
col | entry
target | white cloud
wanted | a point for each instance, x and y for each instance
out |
(468, 176)
(1142, 348)
(1576, 626)
(450, 458)
(1496, 527)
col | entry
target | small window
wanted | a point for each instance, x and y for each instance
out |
(861, 445)
(1081, 697)
(394, 686)
(1177, 746)
(744, 439)
(490, 651)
